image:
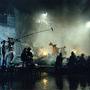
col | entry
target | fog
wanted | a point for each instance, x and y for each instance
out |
(6, 31)
(70, 30)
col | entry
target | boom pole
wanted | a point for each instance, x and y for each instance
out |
(51, 29)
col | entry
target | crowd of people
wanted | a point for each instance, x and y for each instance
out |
(7, 50)
(75, 63)
(78, 64)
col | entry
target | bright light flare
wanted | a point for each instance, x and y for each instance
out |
(74, 50)
(42, 18)
(77, 51)
(42, 52)
(45, 81)
(88, 24)
(44, 14)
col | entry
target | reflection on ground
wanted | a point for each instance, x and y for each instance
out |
(43, 81)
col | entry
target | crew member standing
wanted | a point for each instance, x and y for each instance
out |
(3, 53)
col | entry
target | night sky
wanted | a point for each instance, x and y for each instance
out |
(32, 5)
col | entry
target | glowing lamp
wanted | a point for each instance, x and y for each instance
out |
(88, 24)
(45, 81)
(44, 15)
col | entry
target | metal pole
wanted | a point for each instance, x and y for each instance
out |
(35, 33)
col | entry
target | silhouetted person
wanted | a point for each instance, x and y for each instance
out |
(82, 63)
(3, 53)
(29, 57)
(78, 64)
(58, 63)
(55, 49)
(63, 51)
(82, 59)
(10, 43)
(11, 54)
(72, 62)
(10, 48)
(24, 56)
(72, 59)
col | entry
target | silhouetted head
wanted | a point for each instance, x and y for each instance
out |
(28, 49)
(50, 43)
(72, 53)
(54, 45)
(8, 38)
(82, 55)
(4, 41)
(64, 47)
(78, 56)
(60, 54)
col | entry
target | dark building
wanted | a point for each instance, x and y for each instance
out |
(7, 16)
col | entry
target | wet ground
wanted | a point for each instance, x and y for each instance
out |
(43, 81)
